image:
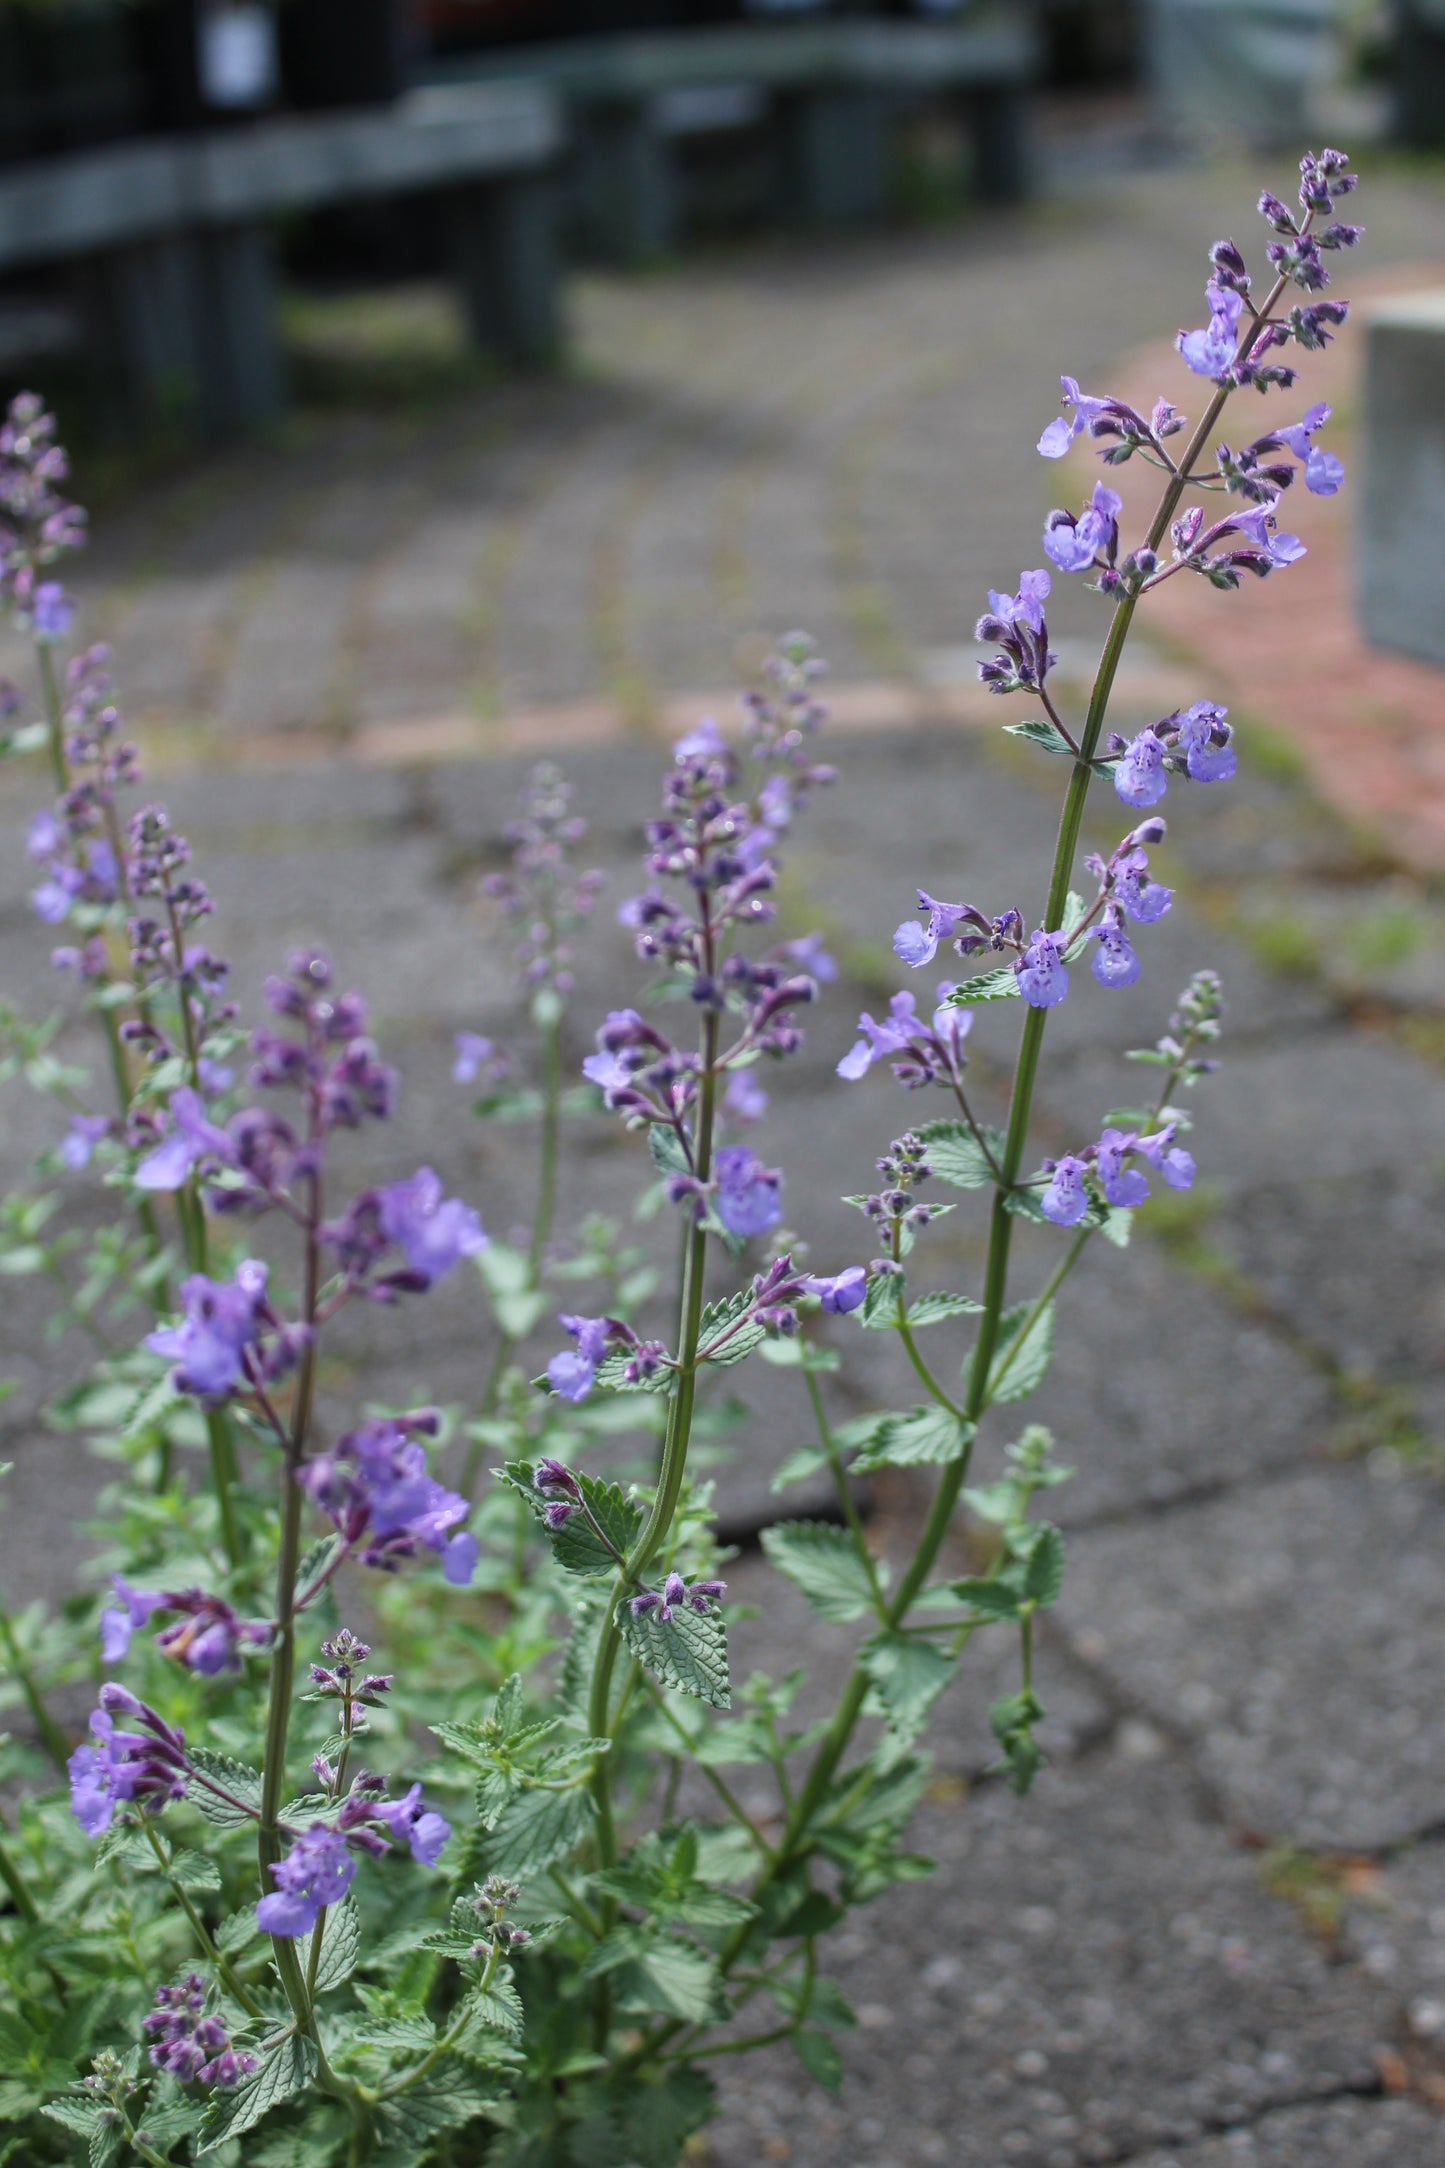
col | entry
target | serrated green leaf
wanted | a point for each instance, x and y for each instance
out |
(954, 1154)
(611, 1375)
(882, 1305)
(536, 1828)
(666, 1151)
(933, 1309)
(194, 1871)
(658, 1973)
(908, 1674)
(1118, 1225)
(716, 1320)
(819, 2056)
(445, 2099)
(243, 1782)
(995, 1598)
(924, 1437)
(77, 2113)
(1020, 1365)
(1000, 985)
(689, 1651)
(340, 1945)
(822, 1560)
(577, 1545)
(798, 1466)
(281, 2075)
(1044, 1568)
(1041, 732)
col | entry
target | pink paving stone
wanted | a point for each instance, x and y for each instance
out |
(1288, 650)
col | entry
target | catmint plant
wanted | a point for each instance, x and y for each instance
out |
(468, 1904)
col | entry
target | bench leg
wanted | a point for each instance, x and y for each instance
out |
(833, 147)
(243, 382)
(502, 242)
(140, 311)
(626, 194)
(999, 120)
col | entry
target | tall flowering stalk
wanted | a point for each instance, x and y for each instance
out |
(549, 1986)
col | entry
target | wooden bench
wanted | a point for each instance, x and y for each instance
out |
(832, 89)
(1400, 565)
(168, 241)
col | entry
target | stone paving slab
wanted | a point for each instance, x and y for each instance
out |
(1341, 2134)
(1091, 1973)
(1294, 1635)
(1357, 1261)
(1396, 1930)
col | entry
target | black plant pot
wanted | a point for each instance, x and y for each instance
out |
(344, 52)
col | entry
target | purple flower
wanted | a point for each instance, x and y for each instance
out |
(80, 1140)
(459, 1555)
(1073, 543)
(118, 1622)
(207, 1637)
(1061, 433)
(1043, 981)
(376, 1489)
(918, 945)
(571, 1373)
(880, 1040)
(316, 1872)
(433, 1233)
(747, 1199)
(188, 2044)
(1258, 523)
(411, 1823)
(1027, 606)
(1141, 899)
(1139, 778)
(1204, 738)
(1168, 1158)
(51, 611)
(1115, 963)
(222, 1320)
(745, 1098)
(1324, 473)
(1210, 352)
(192, 1137)
(704, 742)
(843, 1292)
(473, 1052)
(124, 1765)
(675, 1593)
(1123, 1185)
(1065, 1201)
(809, 954)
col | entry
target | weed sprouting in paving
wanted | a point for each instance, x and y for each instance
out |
(407, 1822)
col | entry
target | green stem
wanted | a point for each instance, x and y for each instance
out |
(15, 1882)
(216, 1957)
(551, 1128)
(1051, 1287)
(448, 2040)
(54, 721)
(835, 1741)
(845, 1495)
(536, 1251)
(51, 1735)
(669, 1483)
(725, 1793)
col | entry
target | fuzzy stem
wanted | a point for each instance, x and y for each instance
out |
(845, 1496)
(54, 721)
(51, 1735)
(15, 1882)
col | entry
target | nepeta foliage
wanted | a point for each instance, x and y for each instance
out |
(499, 1898)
